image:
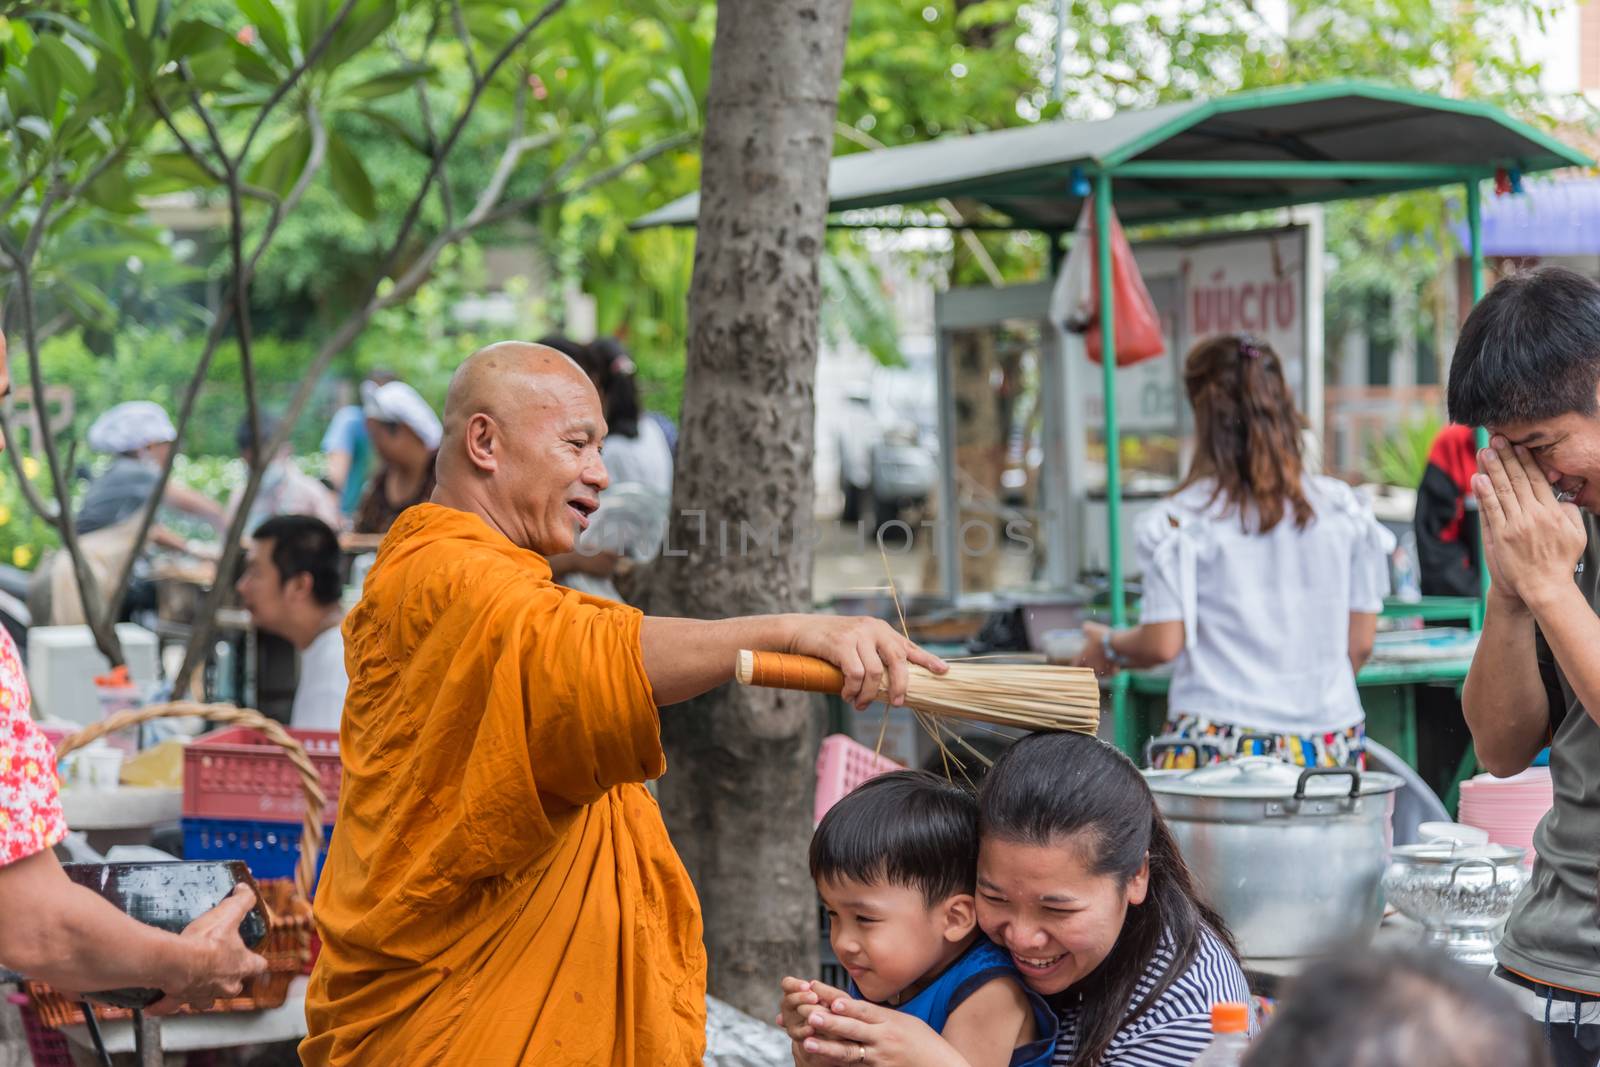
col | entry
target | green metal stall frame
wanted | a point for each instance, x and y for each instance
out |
(1248, 151)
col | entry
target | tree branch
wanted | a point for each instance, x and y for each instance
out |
(974, 246)
(341, 339)
(188, 146)
(88, 589)
(30, 492)
(466, 38)
(644, 155)
(311, 57)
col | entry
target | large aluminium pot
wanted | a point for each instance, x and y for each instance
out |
(1292, 858)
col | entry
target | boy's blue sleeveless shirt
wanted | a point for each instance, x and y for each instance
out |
(974, 968)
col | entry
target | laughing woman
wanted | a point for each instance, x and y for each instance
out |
(1080, 881)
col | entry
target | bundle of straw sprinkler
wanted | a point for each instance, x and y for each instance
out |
(1028, 696)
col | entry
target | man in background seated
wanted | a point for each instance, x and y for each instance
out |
(291, 587)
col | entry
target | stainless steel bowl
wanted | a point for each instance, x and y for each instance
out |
(1461, 895)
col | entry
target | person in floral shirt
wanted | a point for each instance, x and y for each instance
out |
(72, 937)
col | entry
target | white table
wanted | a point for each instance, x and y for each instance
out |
(188, 1033)
(126, 807)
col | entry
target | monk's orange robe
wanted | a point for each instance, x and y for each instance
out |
(500, 888)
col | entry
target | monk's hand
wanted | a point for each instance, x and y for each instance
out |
(872, 654)
(1532, 540)
(797, 1004)
(853, 1031)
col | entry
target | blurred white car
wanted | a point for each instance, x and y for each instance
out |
(889, 441)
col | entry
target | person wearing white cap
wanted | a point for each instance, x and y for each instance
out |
(405, 434)
(139, 436)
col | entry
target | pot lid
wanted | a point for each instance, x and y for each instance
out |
(1446, 854)
(1266, 778)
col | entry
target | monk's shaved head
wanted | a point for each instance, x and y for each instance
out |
(502, 377)
(522, 431)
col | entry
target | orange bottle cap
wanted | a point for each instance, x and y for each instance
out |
(1230, 1017)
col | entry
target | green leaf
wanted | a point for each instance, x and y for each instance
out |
(146, 13)
(192, 38)
(179, 166)
(44, 79)
(310, 16)
(394, 126)
(253, 65)
(76, 29)
(283, 163)
(388, 83)
(350, 179)
(114, 192)
(75, 76)
(268, 21)
(365, 24)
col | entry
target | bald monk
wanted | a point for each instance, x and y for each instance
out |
(500, 888)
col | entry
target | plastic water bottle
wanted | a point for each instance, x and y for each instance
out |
(1230, 1030)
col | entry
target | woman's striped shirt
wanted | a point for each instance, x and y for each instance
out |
(1177, 1027)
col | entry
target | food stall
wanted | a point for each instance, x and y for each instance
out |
(1261, 151)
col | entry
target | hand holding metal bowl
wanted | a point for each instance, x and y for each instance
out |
(169, 896)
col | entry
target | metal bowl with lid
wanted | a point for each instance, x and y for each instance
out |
(1461, 894)
(1291, 857)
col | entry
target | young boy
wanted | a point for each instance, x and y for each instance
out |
(895, 863)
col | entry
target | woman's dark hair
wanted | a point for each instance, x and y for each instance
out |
(1051, 788)
(1247, 431)
(303, 544)
(1529, 351)
(618, 387)
(906, 828)
(567, 347)
(1411, 1008)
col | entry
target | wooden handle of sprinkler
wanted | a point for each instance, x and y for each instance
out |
(784, 670)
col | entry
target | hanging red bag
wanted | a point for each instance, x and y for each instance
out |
(1075, 302)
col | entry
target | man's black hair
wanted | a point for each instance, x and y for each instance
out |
(302, 544)
(1529, 351)
(906, 828)
(1397, 1008)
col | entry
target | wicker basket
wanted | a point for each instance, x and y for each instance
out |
(287, 946)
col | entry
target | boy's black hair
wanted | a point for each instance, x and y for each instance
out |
(906, 828)
(1529, 351)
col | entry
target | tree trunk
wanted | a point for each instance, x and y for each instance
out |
(737, 796)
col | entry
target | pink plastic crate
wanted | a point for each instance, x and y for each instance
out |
(238, 774)
(47, 1046)
(842, 764)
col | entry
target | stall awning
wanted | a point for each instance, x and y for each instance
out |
(1548, 218)
(1244, 152)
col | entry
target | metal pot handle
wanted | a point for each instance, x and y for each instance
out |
(1177, 744)
(1325, 772)
(1494, 871)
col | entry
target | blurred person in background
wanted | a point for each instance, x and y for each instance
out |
(347, 450)
(73, 937)
(1446, 521)
(1410, 1008)
(138, 436)
(291, 587)
(285, 489)
(405, 435)
(629, 526)
(1262, 581)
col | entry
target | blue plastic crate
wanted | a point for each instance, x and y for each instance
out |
(269, 849)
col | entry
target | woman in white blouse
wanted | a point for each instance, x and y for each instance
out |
(1262, 581)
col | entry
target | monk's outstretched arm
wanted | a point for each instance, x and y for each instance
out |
(686, 657)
